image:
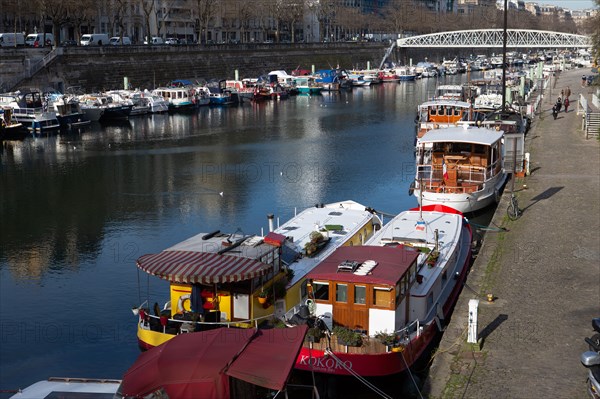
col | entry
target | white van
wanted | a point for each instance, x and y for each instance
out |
(116, 41)
(154, 40)
(12, 39)
(94, 39)
(37, 39)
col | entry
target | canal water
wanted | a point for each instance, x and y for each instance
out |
(77, 210)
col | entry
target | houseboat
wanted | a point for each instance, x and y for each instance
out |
(460, 167)
(382, 304)
(237, 280)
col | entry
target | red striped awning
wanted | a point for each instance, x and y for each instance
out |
(200, 267)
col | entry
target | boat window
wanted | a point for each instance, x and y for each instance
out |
(321, 290)
(341, 292)
(382, 297)
(433, 111)
(360, 294)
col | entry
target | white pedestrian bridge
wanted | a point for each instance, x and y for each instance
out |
(487, 38)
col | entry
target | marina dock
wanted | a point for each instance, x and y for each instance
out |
(541, 270)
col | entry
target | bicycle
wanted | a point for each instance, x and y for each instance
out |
(513, 210)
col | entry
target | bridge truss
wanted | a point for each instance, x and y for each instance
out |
(486, 38)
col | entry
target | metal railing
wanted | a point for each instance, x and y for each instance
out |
(590, 123)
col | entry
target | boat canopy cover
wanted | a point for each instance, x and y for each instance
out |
(466, 134)
(201, 267)
(201, 362)
(392, 264)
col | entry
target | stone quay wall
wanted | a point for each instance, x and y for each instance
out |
(105, 67)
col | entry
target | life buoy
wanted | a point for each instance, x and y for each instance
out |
(181, 301)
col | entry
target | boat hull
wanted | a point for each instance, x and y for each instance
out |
(464, 202)
(413, 353)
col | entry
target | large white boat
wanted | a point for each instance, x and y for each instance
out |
(237, 280)
(460, 167)
(382, 304)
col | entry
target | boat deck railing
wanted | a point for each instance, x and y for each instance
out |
(173, 326)
(466, 178)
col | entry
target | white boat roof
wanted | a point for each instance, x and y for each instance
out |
(70, 388)
(349, 215)
(402, 228)
(463, 134)
(454, 103)
(449, 87)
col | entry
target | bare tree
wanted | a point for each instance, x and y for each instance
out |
(80, 12)
(205, 10)
(148, 9)
(57, 12)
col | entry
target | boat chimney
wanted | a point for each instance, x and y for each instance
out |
(270, 218)
(237, 75)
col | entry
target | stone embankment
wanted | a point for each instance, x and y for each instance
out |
(97, 68)
(542, 269)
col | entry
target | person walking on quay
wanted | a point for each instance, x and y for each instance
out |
(567, 92)
(583, 80)
(558, 105)
(566, 104)
(554, 111)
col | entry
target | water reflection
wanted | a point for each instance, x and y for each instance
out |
(78, 209)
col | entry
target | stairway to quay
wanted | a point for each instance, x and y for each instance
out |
(542, 270)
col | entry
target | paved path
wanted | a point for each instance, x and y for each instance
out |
(544, 270)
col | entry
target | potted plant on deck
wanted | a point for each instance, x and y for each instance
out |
(263, 296)
(346, 336)
(432, 257)
(314, 334)
(386, 338)
(316, 243)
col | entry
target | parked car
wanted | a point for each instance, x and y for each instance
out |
(171, 40)
(68, 43)
(154, 40)
(37, 39)
(117, 41)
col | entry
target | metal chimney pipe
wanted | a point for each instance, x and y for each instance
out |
(270, 218)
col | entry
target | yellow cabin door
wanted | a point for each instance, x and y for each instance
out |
(350, 306)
